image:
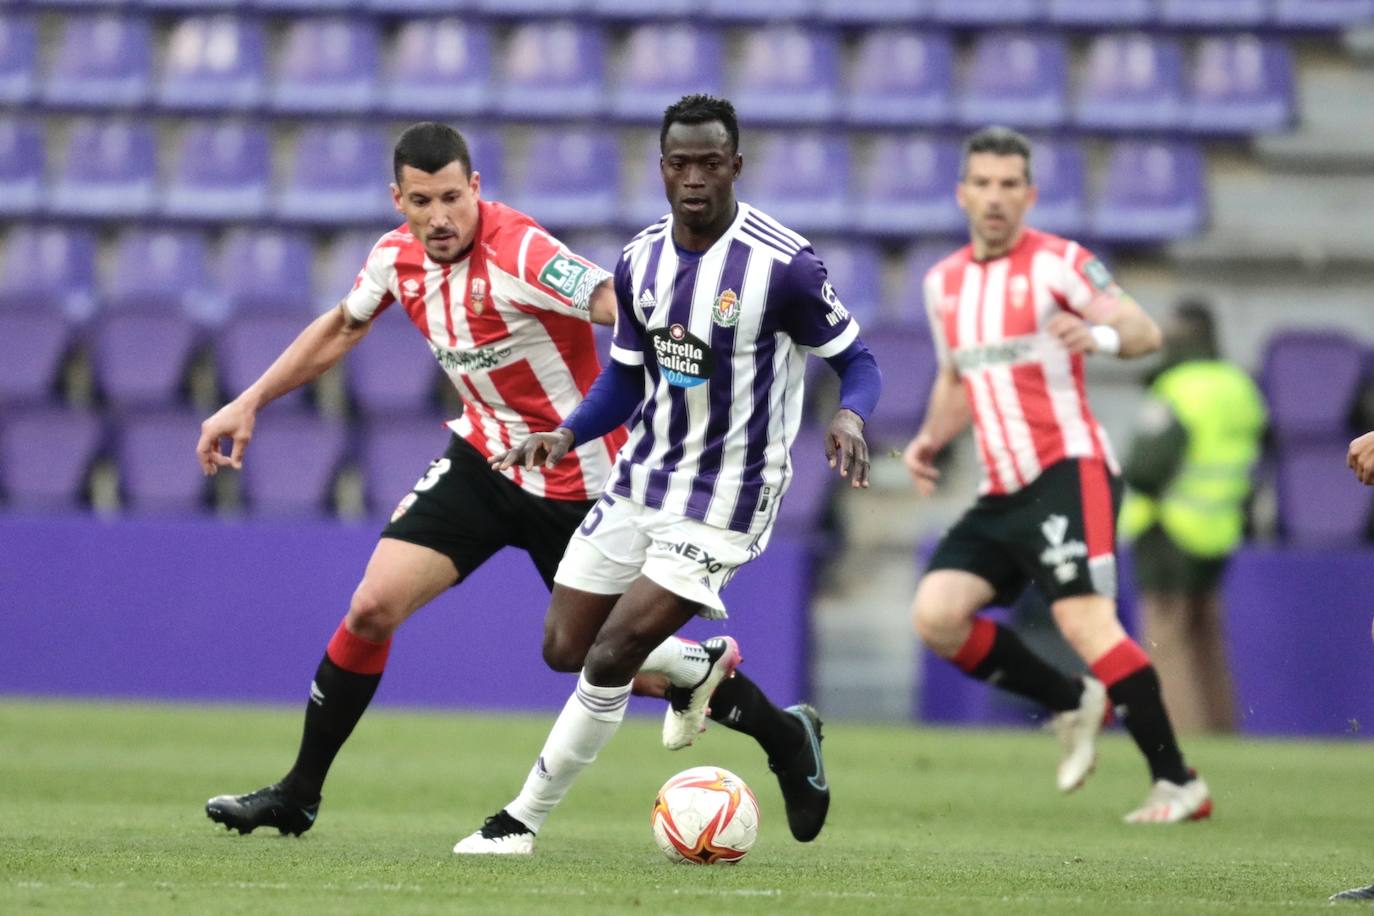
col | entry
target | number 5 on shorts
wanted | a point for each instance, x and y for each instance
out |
(594, 517)
(437, 468)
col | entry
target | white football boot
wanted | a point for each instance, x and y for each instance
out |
(1170, 803)
(501, 834)
(1077, 730)
(686, 715)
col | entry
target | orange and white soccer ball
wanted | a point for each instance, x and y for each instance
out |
(705, 815)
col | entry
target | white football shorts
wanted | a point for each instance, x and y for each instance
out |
(621, 540)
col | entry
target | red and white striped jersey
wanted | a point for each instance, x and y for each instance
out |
(1030, 407)
(510, 325)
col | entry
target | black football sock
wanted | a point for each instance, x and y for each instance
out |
(993, 653)
(738, 703)
(1133, 686)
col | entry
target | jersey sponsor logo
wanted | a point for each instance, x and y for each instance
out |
(477, 360)
(1098, 275)
(693, 552)
(563, 274)
(1061, 555)
(726, 310)
(838, 314)
(479, 294)
(686, 360)
(1002, 353)
(1019, 289)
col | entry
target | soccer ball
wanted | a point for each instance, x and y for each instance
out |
(705, 815)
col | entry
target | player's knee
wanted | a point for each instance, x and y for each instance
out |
(371, 616)
(935, 621)
(561, 653)
(611, 661)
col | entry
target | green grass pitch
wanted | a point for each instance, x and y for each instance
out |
(101, 812)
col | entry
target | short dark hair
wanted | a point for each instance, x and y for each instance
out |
(1195, 315)
(700, 109)
(1000, 141)
(429, 146)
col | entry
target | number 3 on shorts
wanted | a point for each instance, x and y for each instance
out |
(437, 468)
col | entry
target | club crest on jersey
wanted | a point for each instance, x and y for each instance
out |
(726, 310)
(685, 359)
(479, 295)
(1019, 288)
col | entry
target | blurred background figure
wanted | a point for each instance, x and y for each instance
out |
(1190, 472)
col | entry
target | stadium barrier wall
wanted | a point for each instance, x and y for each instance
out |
(208, 610)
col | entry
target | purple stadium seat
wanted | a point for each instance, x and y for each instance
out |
(600, 247)
(554, 70)
(908, 187)
(337, 175)
(907, 358)
(810, 489)
(1228, 13)
(140, 359)
(18, 59)
(1320, 502)
(724, 10)
(1059, 169)
(21, 168)
(393, 371)
(571, 177)
(787, 75)
(639, 10)
(267, 270)
(994, 13)
(414, 7)
(49, 268)
(347, 255)
(222, 171)
(290, 467)
(1323, 13)
(645, 202)
(1311, 380)
(192, 4)
(1016, 78)
(873, 12)
(439, 68)
(102, 62)
(110, 170)
(247, 345)
(394, 455)
(909, 308)
(1100, 13)
(45, 457)
(1133, 82)
(157, 472)
(327, 66)
(32, 348)
(663, 63)
(158, 270)
(487, 149)
(214, 63)
(855, 269)
(901, 77)
(1242, 84)
(304, 6)
(1153, 192)
(800, 178)
(530, 7)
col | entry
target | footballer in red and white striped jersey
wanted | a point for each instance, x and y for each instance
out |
(1025, 388)
(510, 325)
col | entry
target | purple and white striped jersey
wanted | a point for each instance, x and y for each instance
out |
(722, 336)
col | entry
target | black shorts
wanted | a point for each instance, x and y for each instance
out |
(1058, 532)
(467, 511)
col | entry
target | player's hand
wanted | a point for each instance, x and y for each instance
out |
(919, 458)
(1361, 459)
(1073, 332)
(232, 421)
(541, 448)
(846, 449)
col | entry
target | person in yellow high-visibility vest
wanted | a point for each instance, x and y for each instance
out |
(1189, 470)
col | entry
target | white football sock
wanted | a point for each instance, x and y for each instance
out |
(588, 720)
(685, 662)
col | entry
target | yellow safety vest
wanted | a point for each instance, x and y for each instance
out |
(1202, 509)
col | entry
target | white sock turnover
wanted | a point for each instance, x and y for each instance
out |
(685, 662)
(588, 720)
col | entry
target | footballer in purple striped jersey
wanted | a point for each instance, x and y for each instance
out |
(718, 306)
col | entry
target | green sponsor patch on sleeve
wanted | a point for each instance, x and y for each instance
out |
(563, 274)
(1098, 274)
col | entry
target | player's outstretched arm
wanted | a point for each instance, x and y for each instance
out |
(541, 448)
(947, 414)
(321, 345)
(1361, 458)
(1112, 324)
(845, 447)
